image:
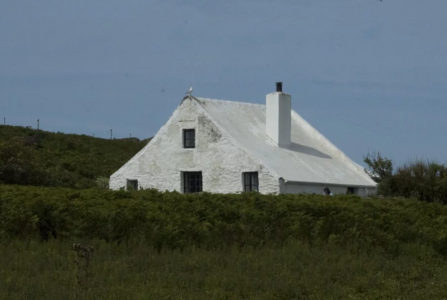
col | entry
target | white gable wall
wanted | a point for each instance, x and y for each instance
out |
(160, 163)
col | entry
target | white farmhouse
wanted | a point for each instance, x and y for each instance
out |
(229, 147)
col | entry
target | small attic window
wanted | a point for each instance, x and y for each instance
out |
(189, 138)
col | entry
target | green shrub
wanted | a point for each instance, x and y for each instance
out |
(175, 221)
(423, 180)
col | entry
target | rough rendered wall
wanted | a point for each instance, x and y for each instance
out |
(366, 191)
(160, 163)
(302, 188)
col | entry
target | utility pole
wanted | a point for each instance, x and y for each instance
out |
(110, 133)
(37, 124)
(4, 121)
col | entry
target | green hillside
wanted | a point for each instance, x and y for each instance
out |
(36, 157)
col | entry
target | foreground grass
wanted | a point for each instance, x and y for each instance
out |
(36, 270)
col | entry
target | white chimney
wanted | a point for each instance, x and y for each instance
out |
(278, 116)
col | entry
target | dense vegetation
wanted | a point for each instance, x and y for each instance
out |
(36, 157)
(152, 245)
(174, 221)
(421, 179)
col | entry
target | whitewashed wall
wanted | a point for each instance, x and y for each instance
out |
(363, 191)
(302, 188)
(160, 163)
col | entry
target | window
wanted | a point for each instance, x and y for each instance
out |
(132, 185)
(192, 182)
(189, 138)
(250, 181)
(351, 191)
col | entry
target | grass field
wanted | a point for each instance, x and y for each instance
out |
(47, 270)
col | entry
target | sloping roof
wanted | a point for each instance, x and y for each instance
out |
(311, 157)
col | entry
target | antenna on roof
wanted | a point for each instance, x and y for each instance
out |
(189, 92)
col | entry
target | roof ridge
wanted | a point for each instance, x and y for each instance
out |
(229, 101)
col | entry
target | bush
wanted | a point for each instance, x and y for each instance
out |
(175, 221)
(423, 180)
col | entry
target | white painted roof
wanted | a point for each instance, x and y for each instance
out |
(311, 157)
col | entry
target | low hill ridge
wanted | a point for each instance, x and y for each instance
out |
(36, 157)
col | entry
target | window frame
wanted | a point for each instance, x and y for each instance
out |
(192, 182)
(187, 140)
(133, 184)
(351, 190)
(250, 181)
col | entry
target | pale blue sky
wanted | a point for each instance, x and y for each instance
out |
(369, 75)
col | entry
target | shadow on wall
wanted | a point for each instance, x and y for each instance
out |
(308, 150)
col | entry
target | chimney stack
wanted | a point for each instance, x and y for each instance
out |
(278, 116)
(279, 86)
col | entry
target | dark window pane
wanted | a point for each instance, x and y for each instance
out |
(192, 182)
(247, 178)
(189, 138)
(189, 144)
(254, 178)
(132, 185)
(190, 134)
(351, 190)
(250, 181)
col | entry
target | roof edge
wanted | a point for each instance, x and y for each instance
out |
(330, 184)
(230, 101)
